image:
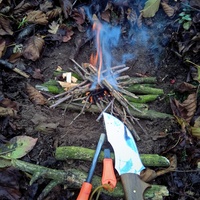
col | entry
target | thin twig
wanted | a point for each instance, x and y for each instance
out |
(111, 102)
(68, 91)
(79, 66)
(81, 110)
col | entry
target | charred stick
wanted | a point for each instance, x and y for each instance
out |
(114, 68)
(111, 103)
(67, 92)
(11, 66)
(90, 67)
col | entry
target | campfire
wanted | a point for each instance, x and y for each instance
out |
(102, 85)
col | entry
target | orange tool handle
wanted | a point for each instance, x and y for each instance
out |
(108, 173)
(85, 191)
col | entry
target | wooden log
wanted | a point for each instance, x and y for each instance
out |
(74, 179)
(141, 89)
(142, 98)
(139, 80)
(81, 153)
(145, 114)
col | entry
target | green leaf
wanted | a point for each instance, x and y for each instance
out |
(186, 25)
(151, 7)
(182, 14)
(17, 147)
(180, 21)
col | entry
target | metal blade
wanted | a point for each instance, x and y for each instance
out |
(127, 159)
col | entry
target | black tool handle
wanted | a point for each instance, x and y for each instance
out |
(133, 186)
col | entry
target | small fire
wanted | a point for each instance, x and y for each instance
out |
(98, 58)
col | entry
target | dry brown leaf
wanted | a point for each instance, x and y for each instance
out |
(183, 87)
(35, 96)
(7, 103)
(147, 175)
(37, 17)
(186, 109)
(66, 6)
(32, 48)
(131, 15)
(21, 8)
(53, 13)
(8, 111)
(37, 75)
(68, 32)
(139, 21)
(15, 57)
(2, 46)
(53, 27)
(5, 28)
(106, 15)
(46, 6)
(168, 9)
(79, 16)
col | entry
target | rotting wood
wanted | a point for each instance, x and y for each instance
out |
(81, 153)
(74, 179)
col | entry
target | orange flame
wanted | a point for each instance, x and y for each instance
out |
(93, 60)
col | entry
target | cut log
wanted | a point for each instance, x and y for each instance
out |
(80, 153)
(139, 80)
(142, 98)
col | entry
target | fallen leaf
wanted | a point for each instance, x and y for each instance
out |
(21, 8)
(53, 13)
(66, 6)
(2, 46)
(15, 57)
(139, 20)
(67, 32)
(47, 127)
(106, 15)
(151, 7)
(32, 48)
(186, 109)
(7, 103)
(9, 184)
(195, 131)
(53, 27)
(46, 6)
(35, 96)
(8, 111)
(36, 17)
(20, 65)
(131, 16)
(17, 147)
(5, 28)
(37, 75)
(79, 16)
(183, 87)
(168, 10)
